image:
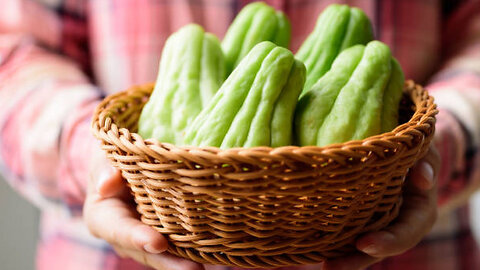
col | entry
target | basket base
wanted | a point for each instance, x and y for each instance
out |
(284, 260)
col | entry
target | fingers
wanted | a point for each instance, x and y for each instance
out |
(163, 261)
(111, 183)
(109, 216)
(114, 221)
(356, 261)
(417, 216)
(423, 174)
(104, 179)
(397, 238)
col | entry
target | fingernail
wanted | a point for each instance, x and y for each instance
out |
(371, 249)
(427, 173)
(151, 249)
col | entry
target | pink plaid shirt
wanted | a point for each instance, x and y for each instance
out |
(55, 65)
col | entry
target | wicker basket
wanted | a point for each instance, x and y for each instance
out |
(264, 207)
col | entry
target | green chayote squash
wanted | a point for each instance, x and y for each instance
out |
(255, 105)
(338, 27)
(359, 97)
(392, 97)
(192, 69)
(255, 23)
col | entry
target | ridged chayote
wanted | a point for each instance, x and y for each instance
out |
(255, 105)
(255, 23)
(338, 27)
(192, 69)
(359, 97)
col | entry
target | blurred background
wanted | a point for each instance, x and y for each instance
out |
(18, 230)
(129, 56)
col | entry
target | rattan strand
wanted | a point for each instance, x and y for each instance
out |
(264, 207)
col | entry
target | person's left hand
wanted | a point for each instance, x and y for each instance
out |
(416, 218)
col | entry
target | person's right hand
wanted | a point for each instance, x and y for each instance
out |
(110, 215)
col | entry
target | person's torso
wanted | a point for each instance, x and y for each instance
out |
(126, 37)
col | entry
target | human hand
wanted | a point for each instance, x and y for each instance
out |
(109, 213)
(417, 216)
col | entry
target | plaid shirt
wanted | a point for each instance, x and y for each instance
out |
(55, 65)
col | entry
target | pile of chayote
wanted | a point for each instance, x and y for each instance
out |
(250, 90)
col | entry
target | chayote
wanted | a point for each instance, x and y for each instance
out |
(255, 23)
(359, 97)
(192, 69)
(255, 105)
(391, 98)
(338, 27)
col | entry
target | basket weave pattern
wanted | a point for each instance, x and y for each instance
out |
(264, 207)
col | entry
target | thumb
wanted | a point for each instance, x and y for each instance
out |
(105, 180)
(110, 183)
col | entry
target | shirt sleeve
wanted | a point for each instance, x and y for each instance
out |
(456, 89)
(44, 99)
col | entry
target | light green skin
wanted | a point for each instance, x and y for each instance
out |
(392, 97)
(255, 105)
(348, 102)
(283, 31)
(338, 27)
(255, 23)
(192, 69)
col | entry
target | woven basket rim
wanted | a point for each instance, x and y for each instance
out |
(105, 123)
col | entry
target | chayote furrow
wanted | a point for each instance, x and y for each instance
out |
(255, 105)
(255, 23)
(315, 105)
(281, 127)
(338, 27)
(392, 97)
(192, 69)
(359, 97)
(283, 31)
